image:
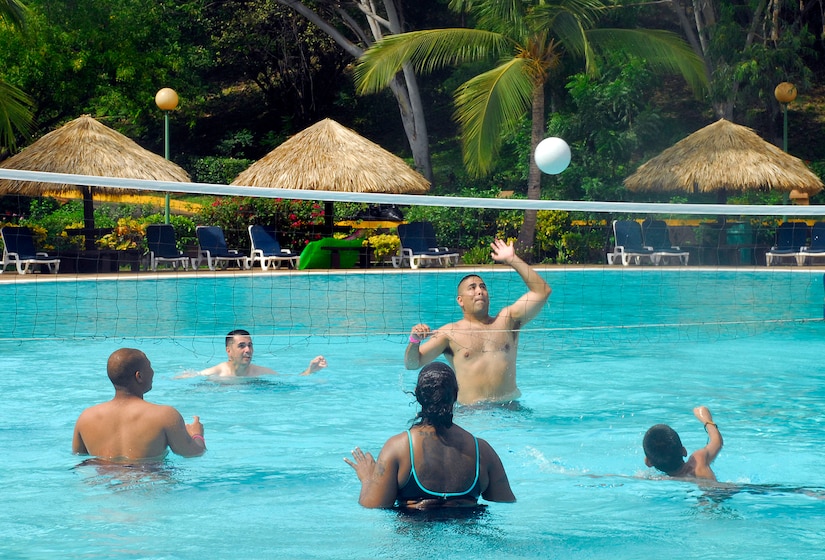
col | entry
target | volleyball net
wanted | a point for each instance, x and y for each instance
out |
(713, 283)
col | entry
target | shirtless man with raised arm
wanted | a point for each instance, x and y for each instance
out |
(482, 349)
(127, 427)
(239, 360)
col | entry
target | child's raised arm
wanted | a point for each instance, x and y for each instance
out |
(714, 446)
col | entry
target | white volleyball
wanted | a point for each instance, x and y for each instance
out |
(552, 155)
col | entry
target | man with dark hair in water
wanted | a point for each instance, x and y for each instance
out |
(435, 463)
(665, 452)
(239, 360)
(129, 428)
(482, 349)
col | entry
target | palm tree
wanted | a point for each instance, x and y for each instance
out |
(15, 105)
(527, 40)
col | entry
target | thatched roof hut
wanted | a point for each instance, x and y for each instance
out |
(84, 146)
(328, 156)
(724, 157)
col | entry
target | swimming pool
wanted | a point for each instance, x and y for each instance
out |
(614, 352)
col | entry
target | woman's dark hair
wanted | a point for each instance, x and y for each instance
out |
(436, 392)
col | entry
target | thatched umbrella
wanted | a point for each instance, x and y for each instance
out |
(86, 147)
(724, 157)
(328, 156)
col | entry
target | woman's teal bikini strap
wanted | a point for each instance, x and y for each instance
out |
(441, 494)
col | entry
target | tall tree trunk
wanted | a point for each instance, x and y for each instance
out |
(412, 116)
(698, 33)
(527, 235)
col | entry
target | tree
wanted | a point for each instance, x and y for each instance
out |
(15, 105)
(107, 58)
(526, 40)
(343, 22)
(297, 67)
(749, 45)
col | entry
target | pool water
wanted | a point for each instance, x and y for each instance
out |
(614, 352)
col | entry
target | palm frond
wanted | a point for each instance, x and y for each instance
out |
(662, 50)
(426, 50)
(14, 13)
(571, 33)
(490, 105)
(568, 22)
(15, 114)
(502, 16)
(586, 12)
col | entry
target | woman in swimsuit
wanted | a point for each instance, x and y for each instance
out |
(435, 463)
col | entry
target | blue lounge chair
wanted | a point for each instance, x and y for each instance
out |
(816, 249)
(162, 244)
(657, 237)
(629, 245)
(18, 249)
(212, 248)
(419, 247)
(267, 250)
(790, 238)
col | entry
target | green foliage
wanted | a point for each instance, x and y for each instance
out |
(55, 218)
(580, 247)
(107, 215)
(128, 233)
(291, 61)
(107, 58)
(235, 143)
(462, 228)
(15, 105)
(478, 255)
(746, 72)
(524, 43)
(15, 114)
(128, 222)
(39, 208)
(218, 170)
(297, 221)
(349, 210)
(550, 227)
(383, 245)
(184, 229)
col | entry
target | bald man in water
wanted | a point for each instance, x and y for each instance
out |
(127, 427)
(482, 349)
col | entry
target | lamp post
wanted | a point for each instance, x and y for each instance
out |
(166, 99)
(785, 93)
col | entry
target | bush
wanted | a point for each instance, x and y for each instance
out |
(577, 247)
(218, 170)
(478, 255)
(129, 233)
(297, 221)
(383, 245)
(462, 228)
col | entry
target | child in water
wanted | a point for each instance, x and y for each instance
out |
(664, 450)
